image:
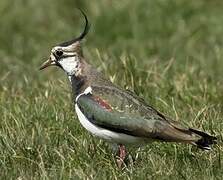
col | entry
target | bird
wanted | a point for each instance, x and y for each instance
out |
(112, 113)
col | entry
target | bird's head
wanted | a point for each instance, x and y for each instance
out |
(68, 55)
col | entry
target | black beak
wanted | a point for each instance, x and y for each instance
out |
(47, 63)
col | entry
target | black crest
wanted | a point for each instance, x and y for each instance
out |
(82, 35)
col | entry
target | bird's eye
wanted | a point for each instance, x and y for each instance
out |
(59, 53)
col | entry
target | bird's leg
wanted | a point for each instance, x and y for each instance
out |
(122, 155)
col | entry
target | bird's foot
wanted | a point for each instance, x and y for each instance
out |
(122, 156)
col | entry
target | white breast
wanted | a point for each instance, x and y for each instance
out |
(108, 135)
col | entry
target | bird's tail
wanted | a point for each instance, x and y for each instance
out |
(205, 141)
(178, 133)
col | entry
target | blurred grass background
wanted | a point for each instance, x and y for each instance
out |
(169, 52)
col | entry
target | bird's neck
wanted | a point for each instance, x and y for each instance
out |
(84, 79)
(77, 84)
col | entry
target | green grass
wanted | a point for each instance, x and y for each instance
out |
(168, 51)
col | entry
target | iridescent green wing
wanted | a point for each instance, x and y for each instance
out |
(126, 102)
(120, 111)
(101, 114)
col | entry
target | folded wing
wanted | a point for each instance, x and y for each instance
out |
(101, 114)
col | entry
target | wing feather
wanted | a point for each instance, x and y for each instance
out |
(102, 113)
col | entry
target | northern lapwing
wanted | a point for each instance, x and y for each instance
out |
(112, 113)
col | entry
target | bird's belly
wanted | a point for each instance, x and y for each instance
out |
(108, 135)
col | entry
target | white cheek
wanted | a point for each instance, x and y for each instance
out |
(70, 65)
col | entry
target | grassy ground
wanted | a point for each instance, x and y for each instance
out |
(170, 52)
